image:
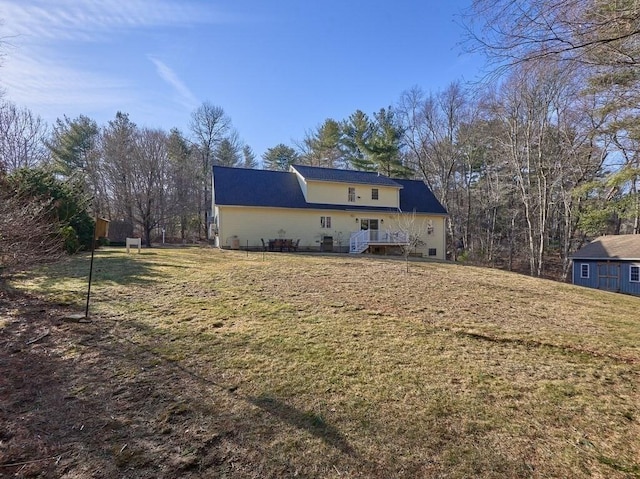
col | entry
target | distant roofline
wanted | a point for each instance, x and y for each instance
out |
(602, 258)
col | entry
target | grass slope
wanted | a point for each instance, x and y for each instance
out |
(207, 363)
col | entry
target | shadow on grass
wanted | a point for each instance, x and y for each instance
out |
(109, 267)
(308, 421)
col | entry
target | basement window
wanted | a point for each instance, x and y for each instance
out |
(584, 270)
(432, 252)
(634, 273)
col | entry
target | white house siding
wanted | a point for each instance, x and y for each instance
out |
(435, 239)
(253, 223)
(247, 225)
(338, 194)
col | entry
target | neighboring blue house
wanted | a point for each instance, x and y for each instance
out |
(611, 263)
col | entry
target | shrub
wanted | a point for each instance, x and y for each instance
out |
(27, 234)
(68, 200)
(71, 243)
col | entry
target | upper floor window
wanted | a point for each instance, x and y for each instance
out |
(352, 194)
(584, 270)
(429, 227)
(374, 193)
(634, 273)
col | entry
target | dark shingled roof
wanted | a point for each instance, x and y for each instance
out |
(415, 195)
(623, 247)
(245, 187)
(279, 189)
(315, 173)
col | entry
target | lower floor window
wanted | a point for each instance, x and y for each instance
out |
(634, 273)
(325, 221)
(432, 252)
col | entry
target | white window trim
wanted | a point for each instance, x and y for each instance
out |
(631, 269)
(582, 275)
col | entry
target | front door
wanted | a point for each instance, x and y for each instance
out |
(371, 225)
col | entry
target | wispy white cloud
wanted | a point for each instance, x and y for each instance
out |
(185, 97)
(45, 40)
(44, 82)
(86, 20)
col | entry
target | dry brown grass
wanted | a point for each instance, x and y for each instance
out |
(207, 363)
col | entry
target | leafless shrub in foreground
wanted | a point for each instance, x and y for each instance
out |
(28, 234)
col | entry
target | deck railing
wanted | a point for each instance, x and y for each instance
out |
(359, 241)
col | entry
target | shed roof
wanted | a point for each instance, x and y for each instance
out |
(280, 189)
(621, 247)
(315, 173)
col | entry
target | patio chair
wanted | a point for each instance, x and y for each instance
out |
(264, 246)
(294, 246)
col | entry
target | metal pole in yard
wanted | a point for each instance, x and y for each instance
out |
(93, 248)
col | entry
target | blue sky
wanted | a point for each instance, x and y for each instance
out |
(279, 68)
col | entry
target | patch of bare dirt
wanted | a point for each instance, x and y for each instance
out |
(79, 400)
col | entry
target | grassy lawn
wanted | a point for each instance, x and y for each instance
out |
(207, 363)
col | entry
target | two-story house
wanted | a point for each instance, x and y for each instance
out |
(324, 209)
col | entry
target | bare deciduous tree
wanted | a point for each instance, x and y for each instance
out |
(209, 125)
(22, 138)
(414, 231)
(432, 129)
(592, 32)
(149, 178)
(547, 150)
